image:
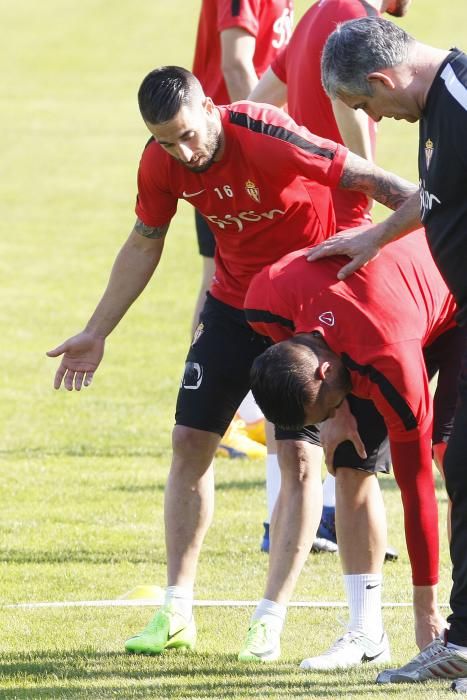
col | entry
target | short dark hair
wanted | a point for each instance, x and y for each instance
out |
(282, 382)
(164, 91)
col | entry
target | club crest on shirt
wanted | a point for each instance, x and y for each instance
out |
(252, 190)
(428, 152)
(197, 333)
(327, 317)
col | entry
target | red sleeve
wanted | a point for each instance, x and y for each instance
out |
(279, 65)
(413, 470)
(155, 204)
(265, 311)
(238, 13)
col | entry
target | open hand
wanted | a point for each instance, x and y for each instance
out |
(357, 243)
(81, 356)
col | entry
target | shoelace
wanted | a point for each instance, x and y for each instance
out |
(434, 649)
(342, 642)
(257, 629)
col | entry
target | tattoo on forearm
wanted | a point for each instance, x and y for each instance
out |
(150, 231)
(387, 188)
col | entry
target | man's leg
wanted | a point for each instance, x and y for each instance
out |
(215, 380)
(189, 502)
(361, 533)
(293, 526)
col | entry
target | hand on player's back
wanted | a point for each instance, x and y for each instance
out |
(357, 243)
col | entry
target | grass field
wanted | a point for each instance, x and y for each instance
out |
(82, 475)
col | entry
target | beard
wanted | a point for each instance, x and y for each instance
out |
(212, 145)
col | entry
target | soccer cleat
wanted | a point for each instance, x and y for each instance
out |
(326, 538)
(256, 431)
(262, 643)
(319, 544)
(327, 525)
(459, 685)
(236, 444)
(265, 540)
(352, 649)
(322, 545)
(436, 660)
(167, 630)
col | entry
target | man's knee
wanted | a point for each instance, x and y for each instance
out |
(193, 447)
(299, 460)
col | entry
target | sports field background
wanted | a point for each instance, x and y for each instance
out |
(82, 475)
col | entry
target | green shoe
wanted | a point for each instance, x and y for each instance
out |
(262, 643)
(167, 630)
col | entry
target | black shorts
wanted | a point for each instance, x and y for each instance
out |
(217, 369)
(216, 379)
(206, 240)
(443, 356)
(372, 430)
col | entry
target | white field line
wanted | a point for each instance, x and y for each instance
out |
(200, 603)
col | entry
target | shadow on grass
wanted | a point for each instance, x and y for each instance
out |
(77, 556)
(100, 675)
(220, 486)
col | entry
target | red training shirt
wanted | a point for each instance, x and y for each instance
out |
(378, 321)
(299, 66)
(268, 195)
(269, 22)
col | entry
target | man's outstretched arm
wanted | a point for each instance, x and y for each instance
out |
(363, 243)
(131, 271)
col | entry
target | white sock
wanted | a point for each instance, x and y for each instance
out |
(273, 482)
(270, 612)
(249, 411)
(364, 599)
(181, 599)
(329, 491)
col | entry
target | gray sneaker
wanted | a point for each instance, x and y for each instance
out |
(459, 685)
(352, 649)
(434, 661)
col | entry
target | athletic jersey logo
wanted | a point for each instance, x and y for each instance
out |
(187, 195)
(242, 216)
(192, 377)
(428, 152)
(427, 200)
(197, 333)
(327, 317)
(252, 190)
(282, 27)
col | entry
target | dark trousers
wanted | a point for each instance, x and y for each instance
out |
(455, 466)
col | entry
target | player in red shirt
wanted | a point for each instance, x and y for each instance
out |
(376, 337)
(263, 183)
(235, 43)
(297, 65)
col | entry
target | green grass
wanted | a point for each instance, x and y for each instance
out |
(82, 476)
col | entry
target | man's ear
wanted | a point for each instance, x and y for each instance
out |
(208, 106)
(322, 370)
(382, 78)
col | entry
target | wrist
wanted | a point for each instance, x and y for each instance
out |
(425, 599)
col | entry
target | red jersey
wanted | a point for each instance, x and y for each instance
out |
(269, 22)
(299, 66)
(378, 321)
(268, 195)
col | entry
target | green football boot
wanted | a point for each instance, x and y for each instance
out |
(167, 630)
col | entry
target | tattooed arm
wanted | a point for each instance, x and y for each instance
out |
(133, 268)
(363, 243)
(387, 188)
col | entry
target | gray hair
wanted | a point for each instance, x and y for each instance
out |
(357, 48)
